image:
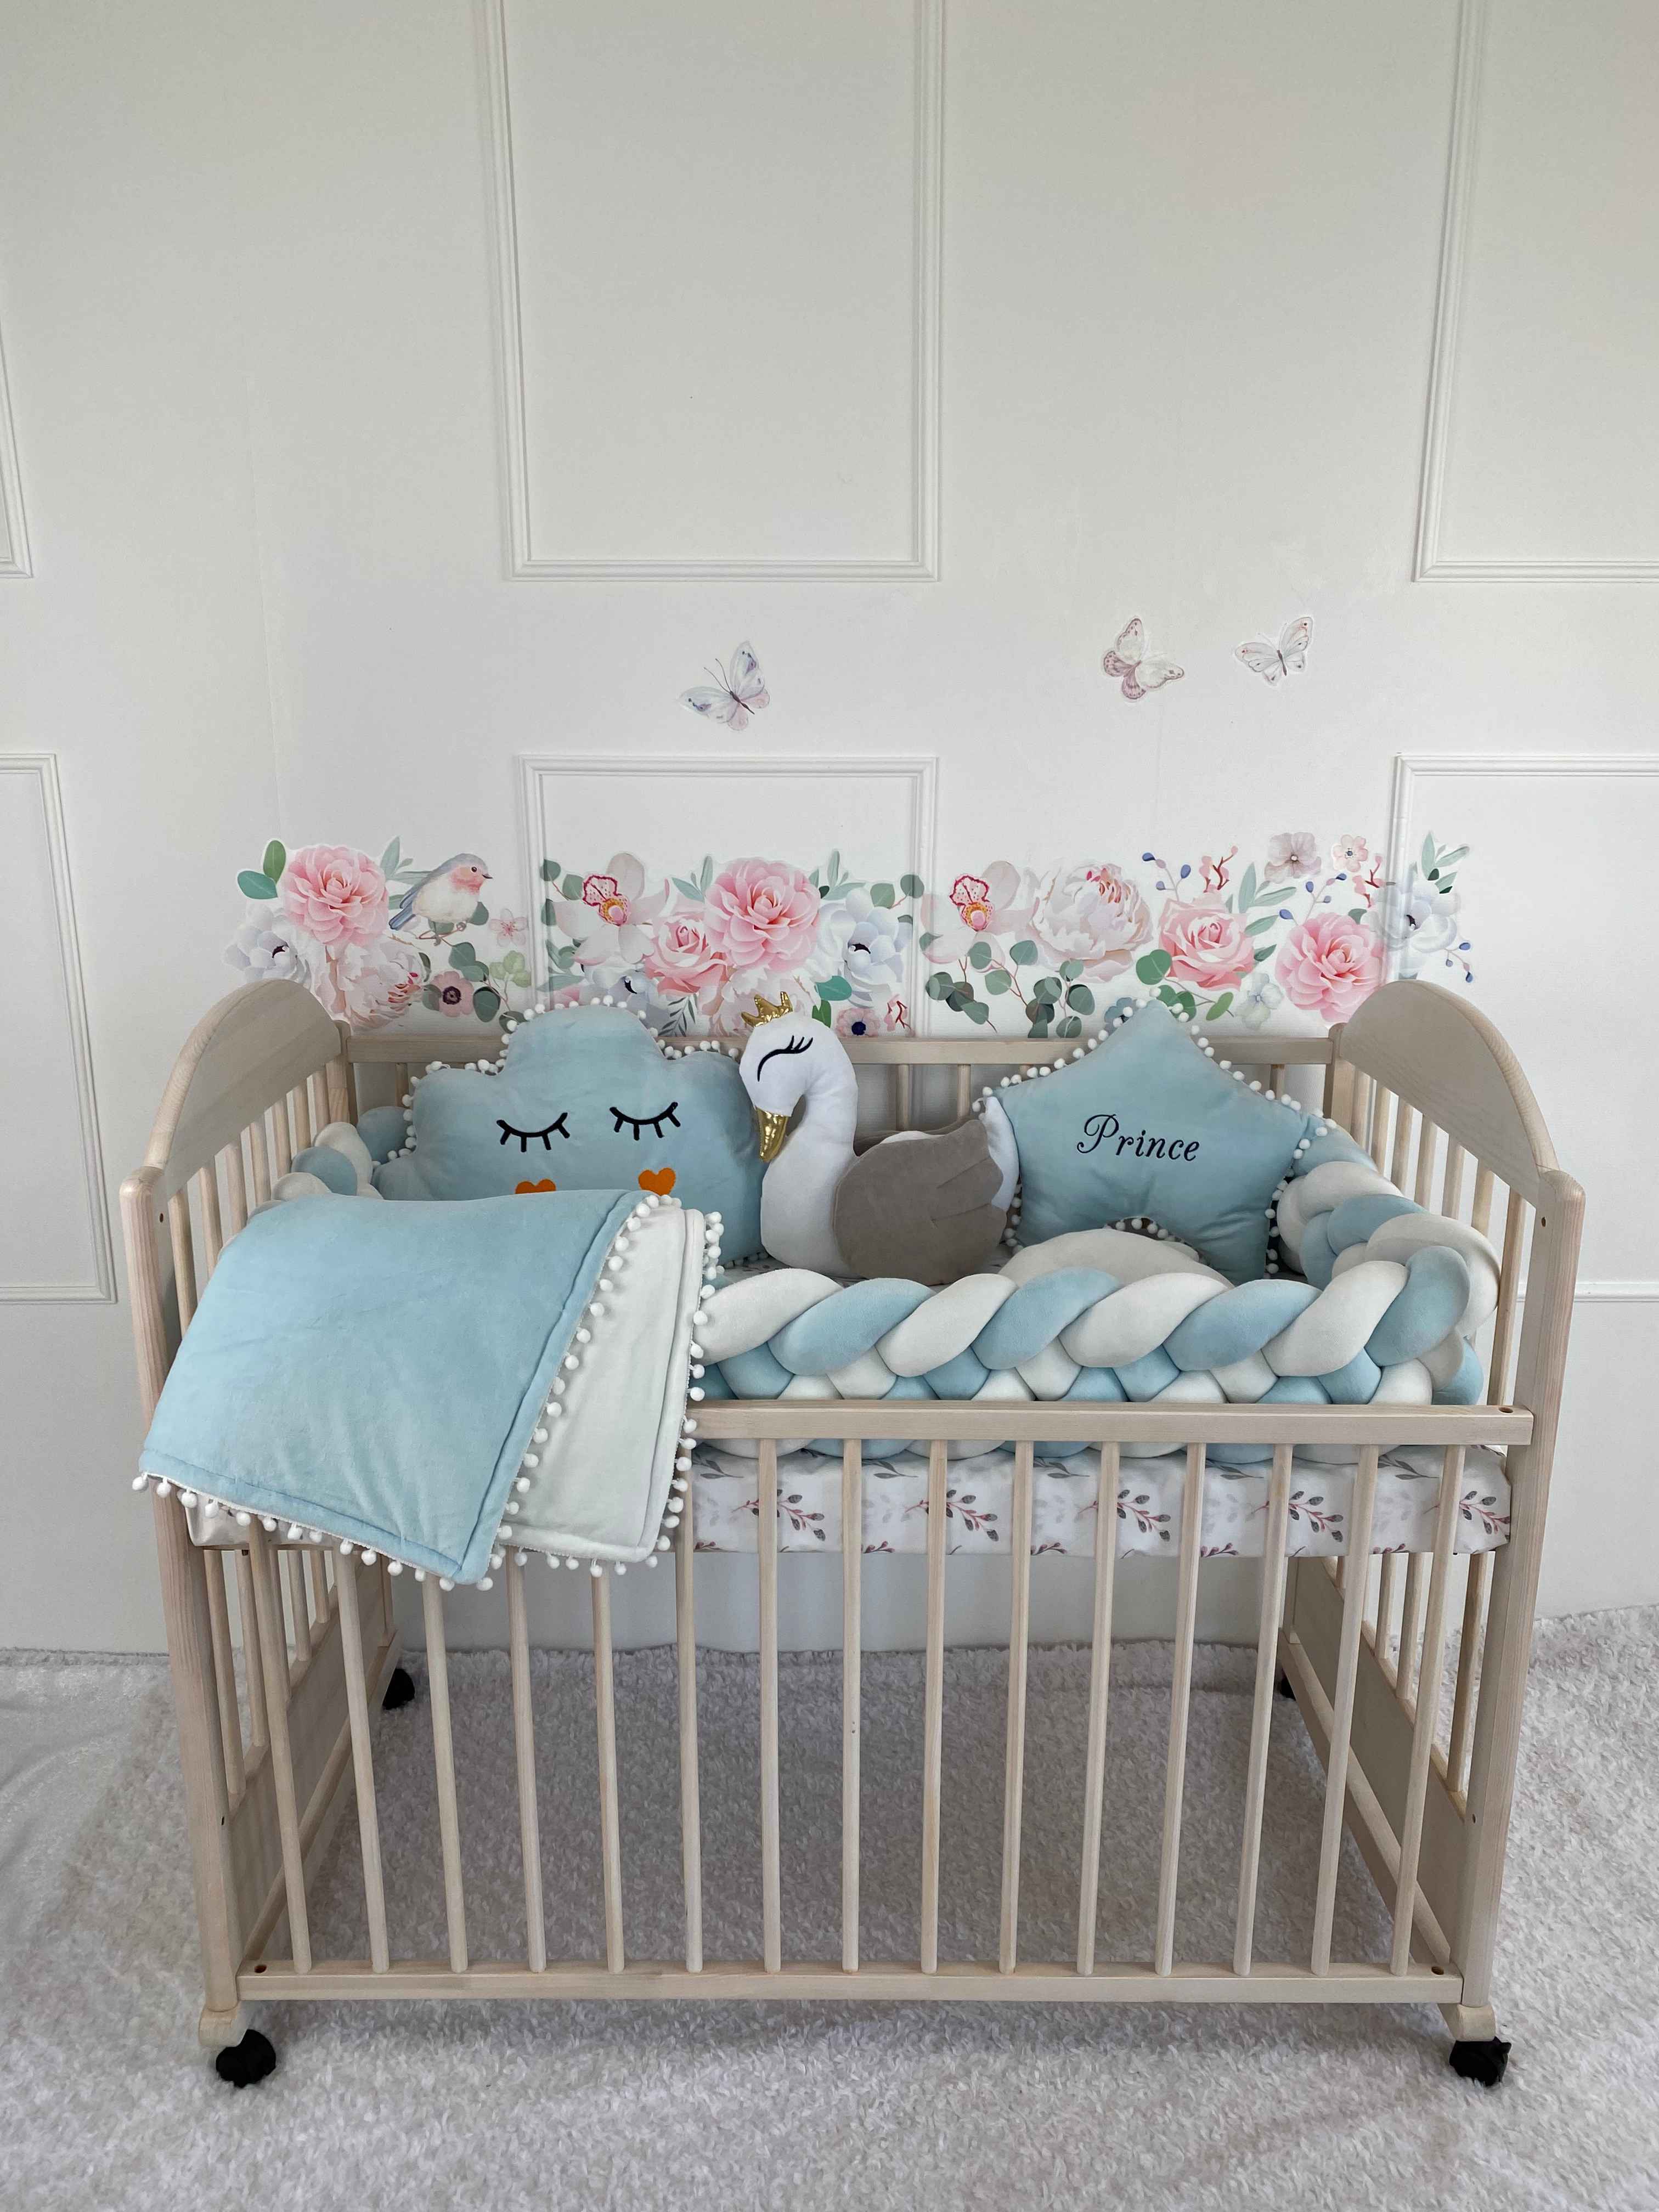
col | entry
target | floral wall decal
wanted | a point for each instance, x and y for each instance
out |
(1319, 930)
(698, 950)
(323, 916)
(1037, 951)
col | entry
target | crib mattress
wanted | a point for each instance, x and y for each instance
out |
(1064, 1509)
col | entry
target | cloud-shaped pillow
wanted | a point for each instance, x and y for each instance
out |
(584, 1099)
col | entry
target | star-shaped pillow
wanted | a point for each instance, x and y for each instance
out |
(585, 1099)
(1148, 1124)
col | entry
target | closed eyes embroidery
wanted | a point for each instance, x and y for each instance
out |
(527, 1137)
(654, 1122)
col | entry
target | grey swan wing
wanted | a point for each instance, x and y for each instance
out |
(921, 1207)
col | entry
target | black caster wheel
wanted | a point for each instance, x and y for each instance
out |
(1282, 1687)
(399, 1690)
(253, 2058)
(1484, 2062)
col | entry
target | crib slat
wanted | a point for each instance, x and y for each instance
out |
(1267, 1667)
(253, 1660)
(259, 1159)
(1347, 1670)
(206, 1180)
(184, 1257)
(1475, 1594)
(1014, 1774)
(1100, 1675)
(1411, 1625)
(294, 1572)
(1400, 1158)
(1427, 1716)
(235, 1187)
(317, 1099)
(1276, 1078)
(267, 1605)
(1387, 1588)
(523, 1754)
(852, 1631)
(1508, 1285)
(933, 1720)
(362, 1767)
(1379, 1145)
(767, 1540)
(316, 1581)
(1428, 1140)
(282, 1153)
(1451, 1187)
(685, 1640)
(902, 1107)
(964, 1090)
(604, 1699)
(1359, 1112)
(1175, 1778)
(224, 1672)
(1481, 1205)
(298, 1106)
(443, 1760)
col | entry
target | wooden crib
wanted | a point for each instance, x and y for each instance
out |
(1424, 1780)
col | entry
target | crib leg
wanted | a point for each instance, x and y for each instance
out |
(243, 2063)
(1479, 2053)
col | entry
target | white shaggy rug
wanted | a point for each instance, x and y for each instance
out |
(106, 2101)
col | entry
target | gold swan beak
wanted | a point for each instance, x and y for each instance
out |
(774, 1128)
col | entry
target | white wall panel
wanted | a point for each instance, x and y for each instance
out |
(14, 530)
(719, 261)
(1541, 462)
(54, 1223)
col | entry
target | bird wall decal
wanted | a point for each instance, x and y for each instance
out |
(445, 896)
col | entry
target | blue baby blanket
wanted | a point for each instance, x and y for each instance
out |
(379, 1373)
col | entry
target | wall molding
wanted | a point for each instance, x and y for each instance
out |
(15, 559)
(1412, 769)
(1431, 563)
(1618, 1290)
(921, 562)
(43, 767)
(915, 802)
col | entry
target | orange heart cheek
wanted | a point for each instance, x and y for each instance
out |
(543, 1185)
(661, 1180)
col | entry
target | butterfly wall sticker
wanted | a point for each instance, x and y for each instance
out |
(736, 694)
(1272, 663)
(1141, 672)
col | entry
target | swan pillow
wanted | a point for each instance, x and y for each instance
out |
(585, 1099)
(1149, 1125)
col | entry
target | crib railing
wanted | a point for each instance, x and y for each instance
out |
(1420, 1770)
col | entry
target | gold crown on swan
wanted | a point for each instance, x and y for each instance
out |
(766, 1011)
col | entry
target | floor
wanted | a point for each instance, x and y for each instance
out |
(108, 2104)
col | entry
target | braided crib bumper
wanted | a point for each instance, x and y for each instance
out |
(1103, 1316)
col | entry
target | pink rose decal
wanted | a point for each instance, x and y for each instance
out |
(762, 917)
(1329, 965)
(682, 963)
(335, 895)
(1208, 947)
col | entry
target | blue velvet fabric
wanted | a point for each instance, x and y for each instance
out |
(587, 1102)
(377, 1369)
(1147, 1124)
